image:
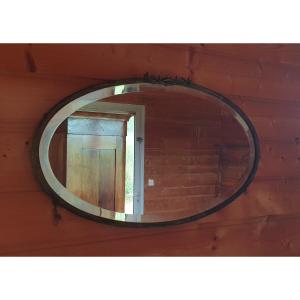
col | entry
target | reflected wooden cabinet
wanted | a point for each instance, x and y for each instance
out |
(88, 155)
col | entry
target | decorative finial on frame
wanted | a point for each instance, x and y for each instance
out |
(167, 80)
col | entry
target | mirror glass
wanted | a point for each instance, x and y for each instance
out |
(147, 153)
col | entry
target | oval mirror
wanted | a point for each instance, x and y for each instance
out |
(146, 151)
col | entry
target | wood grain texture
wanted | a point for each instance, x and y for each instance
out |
(262, 80)
(189, 141)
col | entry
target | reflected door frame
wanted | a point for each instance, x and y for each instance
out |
(139, 144)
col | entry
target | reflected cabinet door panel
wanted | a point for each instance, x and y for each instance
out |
(146, 152)
(96, 159)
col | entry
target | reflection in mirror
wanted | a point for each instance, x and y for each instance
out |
(150, 153)
(96, 155)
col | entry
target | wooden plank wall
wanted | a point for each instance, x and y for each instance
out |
(195, 151)
(262, 79)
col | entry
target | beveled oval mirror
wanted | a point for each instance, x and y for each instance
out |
(148, 151)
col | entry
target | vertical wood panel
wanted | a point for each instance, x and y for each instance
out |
(107, 179)
(90, 175)
(74, 164)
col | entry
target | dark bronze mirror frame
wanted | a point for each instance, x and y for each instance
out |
(58, 201)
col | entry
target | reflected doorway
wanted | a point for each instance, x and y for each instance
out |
(102, 146)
